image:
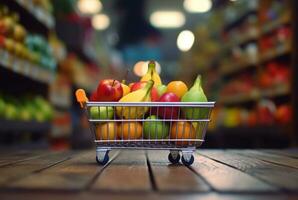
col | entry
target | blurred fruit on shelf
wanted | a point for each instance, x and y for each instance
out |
(106, 131)
(129, 130)
(106, 112)
(182, 130)
(152, 74)
(141, 95)
(232, 118)
(139, 85)
(266, 110)
(177, 87)
(168, 112)
(195, 94)
(155, 129)
(109, 90)
(283, 114)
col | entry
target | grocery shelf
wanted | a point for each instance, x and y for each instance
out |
(247, 37)
(30, 126)
(233, 68)
(41, 15)
(275, 52)
(255, 95)
(271, 26)
(25, 68)
(238, 19)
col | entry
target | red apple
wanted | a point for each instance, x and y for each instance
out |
(168, 112)
(109, 90)
(139, 85)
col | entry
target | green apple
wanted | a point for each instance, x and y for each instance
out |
(101, 112)
(155, 130)
(161, 89)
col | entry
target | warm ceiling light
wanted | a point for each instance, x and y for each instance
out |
(89, 6)
(100, 21)
(167, 19)
(197, 6)
(185, 40)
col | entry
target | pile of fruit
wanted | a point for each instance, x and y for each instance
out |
(25, 109)
(149, 89)
(15, 40)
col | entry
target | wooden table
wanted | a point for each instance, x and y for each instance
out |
(216, 174)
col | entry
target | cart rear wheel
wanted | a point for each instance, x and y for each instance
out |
(187, 162)
(103, 161)
(172, 159)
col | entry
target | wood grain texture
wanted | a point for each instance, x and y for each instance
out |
(273, 158)
(282, 177)
(128, 172)
(73, 174)
(290, 152)
(8, 158)
(173, 178)
(19, 170)
(227, 179)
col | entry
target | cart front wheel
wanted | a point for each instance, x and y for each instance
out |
(172, 159)
(189, 161)
(103, 161)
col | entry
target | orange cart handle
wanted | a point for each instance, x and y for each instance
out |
(81, 97)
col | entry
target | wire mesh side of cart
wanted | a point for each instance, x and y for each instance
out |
(174, 125)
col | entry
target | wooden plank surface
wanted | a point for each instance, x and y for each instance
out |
(270, 157)
(173, 178)
(280, 176)
(227, 179)
(128, 172)
(73, 174)
(7, 157)
(10, 173)
(289, 152)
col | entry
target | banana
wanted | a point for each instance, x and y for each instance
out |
(141, 95)
(152, 74)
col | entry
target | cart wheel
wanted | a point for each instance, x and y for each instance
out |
(103, 161)
(172, 159)
(188, 162)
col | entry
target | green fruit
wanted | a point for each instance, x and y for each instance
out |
(161, 89)
(155, 130)
(195, 94)
(101, 112)
(10, 112)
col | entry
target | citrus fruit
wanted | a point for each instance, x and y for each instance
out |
(182, 130)
(129, 130)
(177, 87)
(106, 131)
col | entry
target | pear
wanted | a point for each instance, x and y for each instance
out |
(195, 94)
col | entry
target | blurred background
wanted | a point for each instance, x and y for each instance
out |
(245, 50)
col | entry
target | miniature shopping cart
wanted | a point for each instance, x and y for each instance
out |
(179, 127)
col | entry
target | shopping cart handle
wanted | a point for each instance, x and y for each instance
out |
(81, 97)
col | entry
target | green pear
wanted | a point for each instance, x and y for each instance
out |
(195, 94)
(155, 130)
(161, 89)
(101, 112)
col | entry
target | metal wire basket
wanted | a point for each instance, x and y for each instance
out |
(175, 126)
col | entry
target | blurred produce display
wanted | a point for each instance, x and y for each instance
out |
(250, 73)
(25, 108)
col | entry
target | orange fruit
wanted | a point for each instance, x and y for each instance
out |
(106, 131)
(182, 130)
(125, 88)
(177, 87)
(129, 130)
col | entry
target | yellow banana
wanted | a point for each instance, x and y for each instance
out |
(152, 74)
(141, 95)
